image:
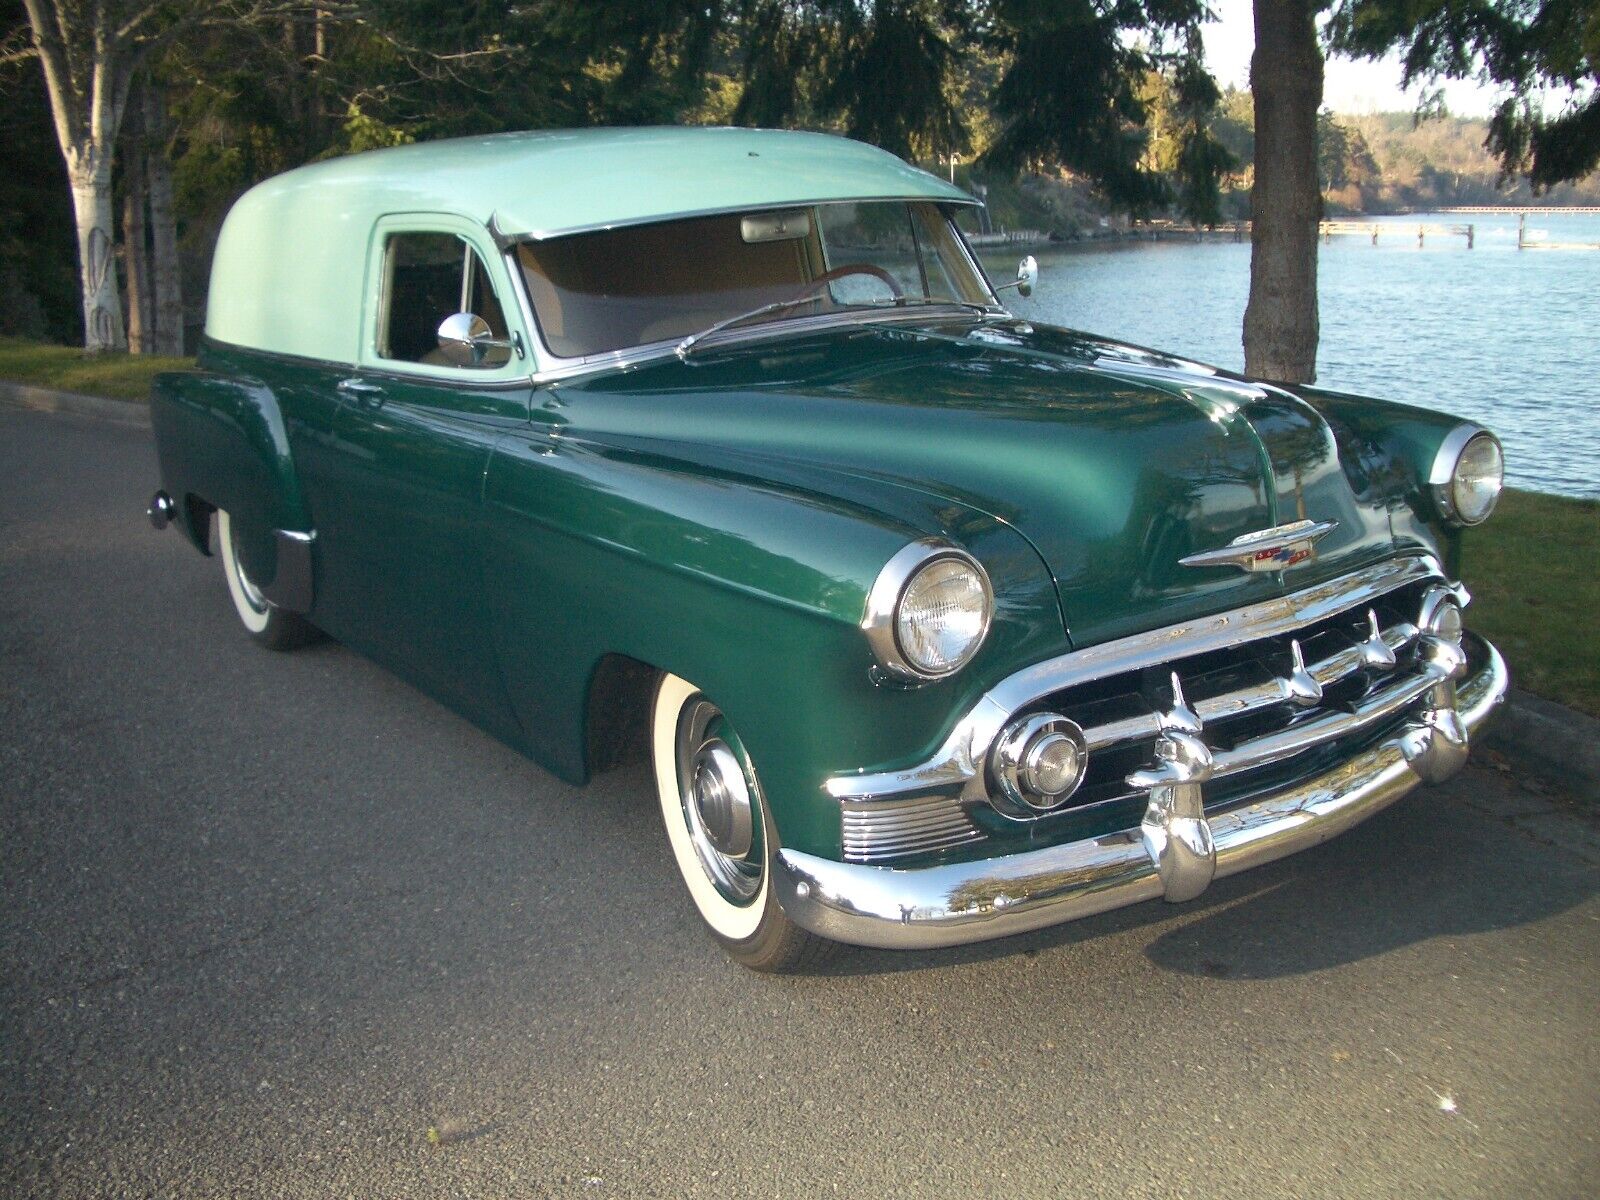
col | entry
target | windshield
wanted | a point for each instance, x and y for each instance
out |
(617, 288)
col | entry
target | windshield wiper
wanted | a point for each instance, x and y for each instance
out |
(990, 310)
(693, 339)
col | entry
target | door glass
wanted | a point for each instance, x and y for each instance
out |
(428, 277)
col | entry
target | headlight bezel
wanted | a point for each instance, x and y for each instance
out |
(881, 619)
(1443, 476)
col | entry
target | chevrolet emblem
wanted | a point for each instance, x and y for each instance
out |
(1275, 549)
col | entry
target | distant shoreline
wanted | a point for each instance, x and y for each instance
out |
(1168, 232)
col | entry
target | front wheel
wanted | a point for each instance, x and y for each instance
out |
(721, 833)
(266, 623)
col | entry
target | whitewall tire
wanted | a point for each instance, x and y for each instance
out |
(722, 837)
(268, 625)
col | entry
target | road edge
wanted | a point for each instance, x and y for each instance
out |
(1554, 744)
(39, 399)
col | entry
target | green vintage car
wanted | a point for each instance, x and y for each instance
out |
(717, 448)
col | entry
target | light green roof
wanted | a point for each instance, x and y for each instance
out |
(290, 260)
(565, 181)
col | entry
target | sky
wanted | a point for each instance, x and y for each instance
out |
(1349, 85)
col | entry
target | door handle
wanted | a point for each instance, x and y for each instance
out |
(368, 395)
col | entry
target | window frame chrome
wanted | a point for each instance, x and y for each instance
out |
(550, 367)
(378, 288)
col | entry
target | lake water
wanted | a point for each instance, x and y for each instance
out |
(1506, 338)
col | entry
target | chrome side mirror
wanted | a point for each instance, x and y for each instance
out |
(465, 340)
(1027, 276)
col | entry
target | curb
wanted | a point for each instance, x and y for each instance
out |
(1549, 741)
(123, 412)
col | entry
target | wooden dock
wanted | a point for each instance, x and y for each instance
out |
(1388, 230)
(1522, 210)
(1006, 237)
(1524, 243)
(1332, 229)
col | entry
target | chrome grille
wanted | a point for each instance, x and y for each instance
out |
(1259, 702)
(880, 830)
(1249, 698)
(1379, 651)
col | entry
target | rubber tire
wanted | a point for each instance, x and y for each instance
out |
(266, 624)
(758, 935)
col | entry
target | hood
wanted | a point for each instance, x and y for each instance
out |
(1114, 462)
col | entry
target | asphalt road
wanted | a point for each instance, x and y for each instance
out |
(268, 919)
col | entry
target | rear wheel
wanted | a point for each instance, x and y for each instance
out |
(267, 624)
(721, 833)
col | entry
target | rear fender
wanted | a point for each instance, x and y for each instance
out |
(222, 444)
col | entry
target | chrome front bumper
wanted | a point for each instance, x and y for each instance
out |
(1172, 853)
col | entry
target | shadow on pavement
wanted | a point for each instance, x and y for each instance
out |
(1430, 867)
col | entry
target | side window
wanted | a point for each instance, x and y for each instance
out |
(427, 277)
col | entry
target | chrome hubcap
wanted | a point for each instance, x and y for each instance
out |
(720, 802)
(722, 799)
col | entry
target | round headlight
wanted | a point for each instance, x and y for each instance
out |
(1468, 475)
(929, 611)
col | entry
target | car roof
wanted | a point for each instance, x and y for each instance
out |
(556, 182)
(291, 253)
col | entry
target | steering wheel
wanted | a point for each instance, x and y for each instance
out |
(827, 277)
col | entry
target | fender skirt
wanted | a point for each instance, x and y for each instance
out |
(291, 588)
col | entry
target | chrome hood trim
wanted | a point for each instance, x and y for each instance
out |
(1281, 548)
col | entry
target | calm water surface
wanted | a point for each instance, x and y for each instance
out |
(1510, 340)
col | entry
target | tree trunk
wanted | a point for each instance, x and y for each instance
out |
(87, 73)
(165, 270)
(94, 214)
(135, 252)
(1280, 323)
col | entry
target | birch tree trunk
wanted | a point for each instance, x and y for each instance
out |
(89, 174)
(135, 255)
(87, 81)
(166, 270)
(1280, 322)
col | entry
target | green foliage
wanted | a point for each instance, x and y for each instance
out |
(362, 131)
(1519, 46)
(1181, 114)
(1235, 124)
(915, 76)
(1071, 88)
(1348, 173)
(911, 43)
(1387, 162)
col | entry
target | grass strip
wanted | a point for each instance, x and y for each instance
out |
(69, 369)
(1534, 572)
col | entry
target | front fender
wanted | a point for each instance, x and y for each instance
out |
(750, 586)
(1388, 449)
